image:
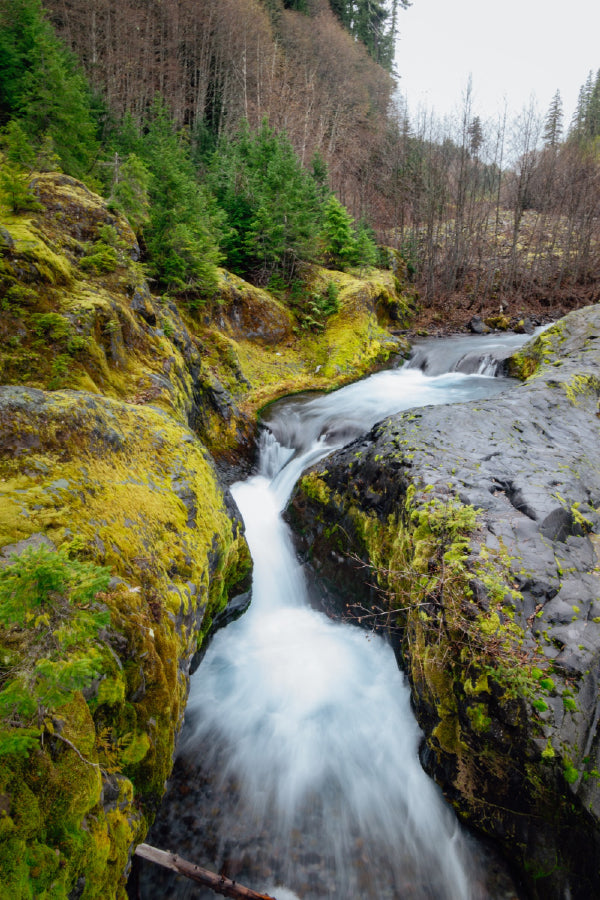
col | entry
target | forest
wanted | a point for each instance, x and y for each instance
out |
(191, 117)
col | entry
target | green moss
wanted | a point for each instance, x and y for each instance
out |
(50, 267)
(570, 774)
(114, 475)
(581, 386)
(315, 488)
(125, 484)
(477, 714)
(548, 752)
(527, 363)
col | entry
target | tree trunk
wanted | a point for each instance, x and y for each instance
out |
(217, 883)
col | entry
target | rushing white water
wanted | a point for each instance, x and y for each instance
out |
(306, 721)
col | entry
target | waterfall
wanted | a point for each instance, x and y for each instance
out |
(300, 740)
(311, 720)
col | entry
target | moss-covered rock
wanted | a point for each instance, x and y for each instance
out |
(130, 488)
(213, 367)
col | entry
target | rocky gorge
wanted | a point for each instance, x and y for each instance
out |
(471, 531)
(121, 412)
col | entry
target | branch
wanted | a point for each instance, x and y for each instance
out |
(217, 883)
(70, 744)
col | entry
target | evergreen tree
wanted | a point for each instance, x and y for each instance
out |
(41, 86)
(16, 146)
(593, 112)
(270, 202)
(579, 123)
(15, 169)
(183, 229)
(339, 241)
(553, 125)
(475, 135)
(366, 248)
(15, 191)
(343, 244)
(343, 10)
(130, 192)
(374, 23)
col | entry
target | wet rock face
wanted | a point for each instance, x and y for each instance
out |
(520, 761)
(252, 314)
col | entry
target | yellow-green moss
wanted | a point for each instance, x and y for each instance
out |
(315, 488)
(541, 351)
(126, 484)
(113, 476)
(50, 267)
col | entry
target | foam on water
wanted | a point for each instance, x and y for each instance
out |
(308, 721)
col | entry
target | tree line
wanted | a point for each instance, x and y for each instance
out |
(193, 118)
(317, 69)
(488, 211)
(239, 197)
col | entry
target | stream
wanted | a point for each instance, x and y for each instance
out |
(297, 771)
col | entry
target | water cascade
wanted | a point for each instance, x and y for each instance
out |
(300, 749)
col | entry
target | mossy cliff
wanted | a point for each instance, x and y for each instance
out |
(117, 541)
(477, 524)
(78, 313)
(128, 487)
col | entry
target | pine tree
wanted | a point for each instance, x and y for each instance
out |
(339, 239)
(130, 192)
(182, 234)
(374, 23)
(42, 87)
(553, 126)
(593, 113)
(475, 135)
(16, 146)
(271, 203)
(579, 122)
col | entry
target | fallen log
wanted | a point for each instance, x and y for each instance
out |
(217, 883)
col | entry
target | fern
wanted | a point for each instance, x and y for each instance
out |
(108, 751)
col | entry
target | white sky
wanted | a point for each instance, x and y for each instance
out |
(513, 49)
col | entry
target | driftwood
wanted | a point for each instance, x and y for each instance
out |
(217, 883)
